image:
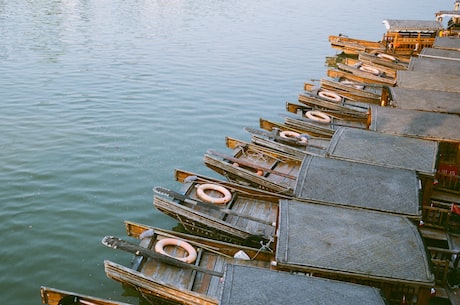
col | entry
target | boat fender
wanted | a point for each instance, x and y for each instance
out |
(318, 116)
(189, 179)
(191, 252)
(386, 56)
(242, 255)
(292, 134)
(330, 96)
(147, 233)
(371, 70)
(201, 193)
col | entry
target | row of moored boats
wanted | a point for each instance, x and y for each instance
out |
(352, 199)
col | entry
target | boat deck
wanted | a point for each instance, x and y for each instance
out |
(190, 279)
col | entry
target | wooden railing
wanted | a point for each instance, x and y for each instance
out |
(436, 217)
(443, 261)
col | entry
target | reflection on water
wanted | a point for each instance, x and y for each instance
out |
(101, 100)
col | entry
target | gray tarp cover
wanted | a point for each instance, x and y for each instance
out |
(251, 285)
(359, 185)
(447, 43)
(353, 241)
(418, 124)
(435, 80)
(425, 100)
(436, 60)
(385, 150)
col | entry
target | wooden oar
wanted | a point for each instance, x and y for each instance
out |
(249, 164)
(116, 243)
(189, 200)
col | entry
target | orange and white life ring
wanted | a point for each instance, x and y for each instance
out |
(329, 95)
(369, 69)
(191, 252)
(293, 135)
(318, 116)
(227, 196)
(386, 56)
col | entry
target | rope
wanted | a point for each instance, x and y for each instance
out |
(264, 247)
(439, 57)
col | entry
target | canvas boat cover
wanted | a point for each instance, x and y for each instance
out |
(444, 61)
(447, 43)
(425, 100)
(358, 185)
(422, 80)
(418, 124)
(252, 285)
(384, 150)
(358, 242)
(412, 25)
(449, 55)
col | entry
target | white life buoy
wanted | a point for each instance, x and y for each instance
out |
(191, 252)
(318, 116)
(293, 135)
(227, 196)
(369, 69)
(329, 95)
(386, 56)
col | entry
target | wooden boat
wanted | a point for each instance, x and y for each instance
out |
(439, 127)
(410, 37)
(365, 247)
(314, 178)
(353, 91)
(370, 147)
(356, 112)
(355, 46)
(365, 74)
(386, 60)
(273, 126)
(221, 210)
(323, 122)
(403, 37)
(256, 166)
(426, 125)
(349, 77)
(236, 280)
(290, 145)
(53, 296)
(161, 278)
(372, 67)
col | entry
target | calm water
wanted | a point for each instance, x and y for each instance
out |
(101, 100)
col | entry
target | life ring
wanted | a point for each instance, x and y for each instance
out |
(287, 134)
(369, 70)
(209, 186)
(329, 95)
(386, 56)
(318, 116)
(191, 252)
